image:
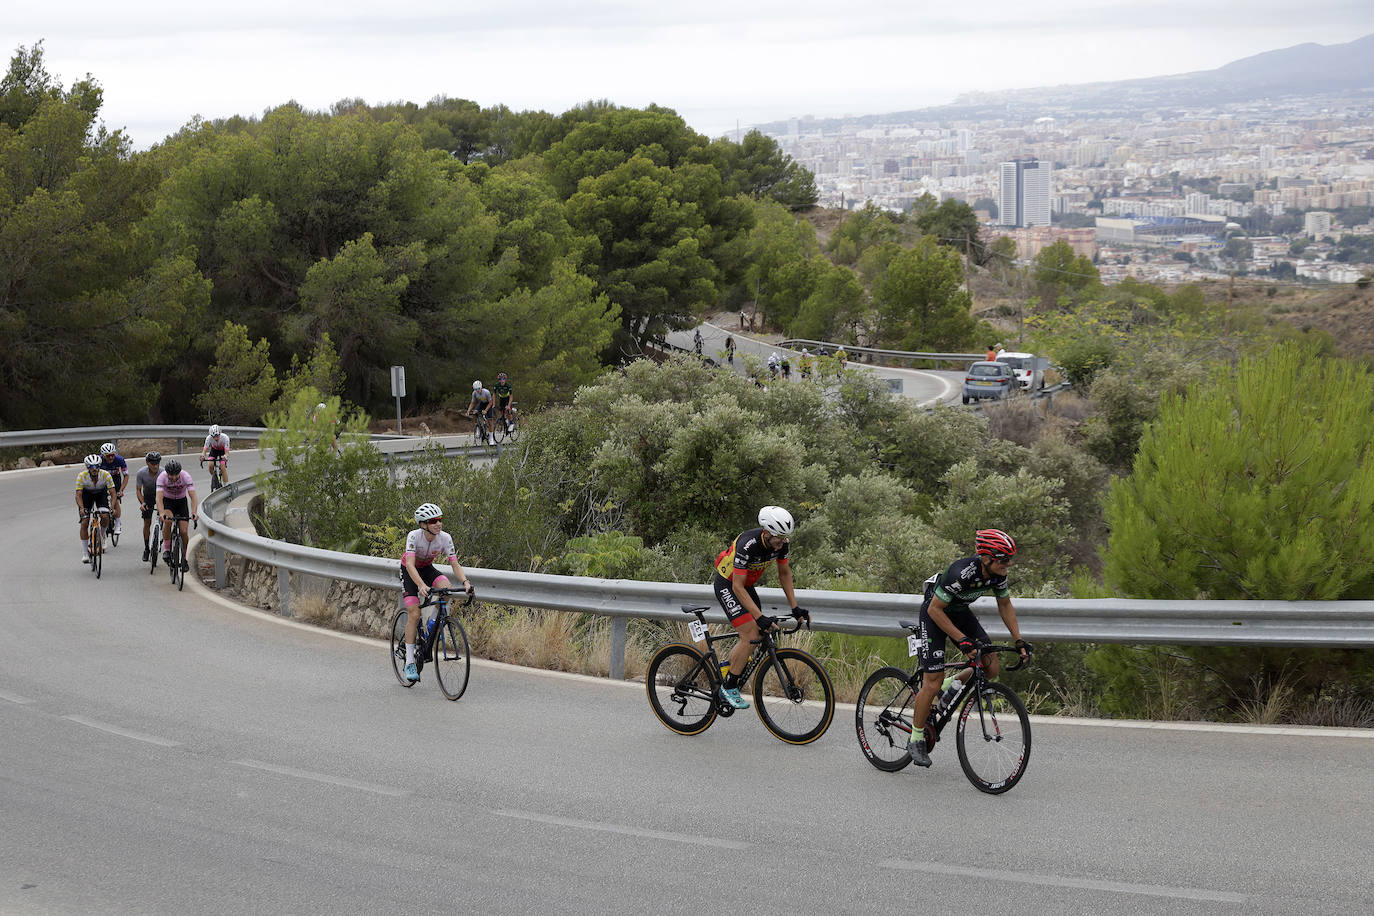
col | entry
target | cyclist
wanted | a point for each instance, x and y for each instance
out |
(216, 449)
(111, 461)
(424, 545)
(805, 363)
(94, 487)
(145, 488)
(483, 402)
(842, 358)
(176, 497)
(503, 392)
(946, 613)
(774, 364)
(738, 567)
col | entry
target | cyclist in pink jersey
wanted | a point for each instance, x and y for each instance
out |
(176, 497)
(424, 545)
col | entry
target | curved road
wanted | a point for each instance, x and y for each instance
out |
(925, 386)
(161, 752)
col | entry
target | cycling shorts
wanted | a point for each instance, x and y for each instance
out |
(179, 506)
(147, 511)
(432, 576)
(213, 453)
(503, 403)
(736, 613)
(92, 498)
(933, 639)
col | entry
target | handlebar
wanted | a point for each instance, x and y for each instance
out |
(445, 592)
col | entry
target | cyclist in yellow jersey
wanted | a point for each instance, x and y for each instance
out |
(94, 488)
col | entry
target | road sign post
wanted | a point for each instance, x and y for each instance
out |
(398, 391)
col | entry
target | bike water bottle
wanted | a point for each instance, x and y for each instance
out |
(951, 691)
(429, 625)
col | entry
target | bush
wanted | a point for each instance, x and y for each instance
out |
(1084, 357)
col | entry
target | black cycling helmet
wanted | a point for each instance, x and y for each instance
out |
(173, 468)
(153, 458)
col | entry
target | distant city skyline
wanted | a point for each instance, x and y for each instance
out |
(718, 64)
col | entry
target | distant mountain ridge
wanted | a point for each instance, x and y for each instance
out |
(1307, 69)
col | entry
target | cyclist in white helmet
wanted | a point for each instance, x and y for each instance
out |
(738, 567)
(216, 448)
(424, 545)
(485, 404)
(118, 468)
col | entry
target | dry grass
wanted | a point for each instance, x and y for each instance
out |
(553, 640)
(314, 609)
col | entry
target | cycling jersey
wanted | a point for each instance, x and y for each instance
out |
(748, 554)
(217, 446)
(425, 551)
(147, 482)
(117, 466)
(964, 582)
(101, 482)
(175, 488)
(502, 391)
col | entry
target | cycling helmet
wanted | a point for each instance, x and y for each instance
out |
(107, 449)
(805, 352)
(477, 385)
(500, 376)
(428, 513)
(777, 521)
(320, 407)
(92, 461)
(214, 430)
(173, 468)
(153, 458)
(994, 543)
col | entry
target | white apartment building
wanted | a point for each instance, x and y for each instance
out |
(1316, 224)
(1024, 194)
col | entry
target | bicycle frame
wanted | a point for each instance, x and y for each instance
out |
(437, 597)
(939, 718)
(764, 647)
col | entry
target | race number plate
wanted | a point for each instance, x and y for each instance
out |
(913, 644)
(698, 631)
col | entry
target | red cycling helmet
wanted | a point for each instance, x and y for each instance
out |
(992, 542)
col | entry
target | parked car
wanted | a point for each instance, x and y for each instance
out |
(988, 380)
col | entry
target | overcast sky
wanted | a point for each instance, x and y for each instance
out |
(717, 62)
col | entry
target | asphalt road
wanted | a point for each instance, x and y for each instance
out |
(162, 753)
(925, 386)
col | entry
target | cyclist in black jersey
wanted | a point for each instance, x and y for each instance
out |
(738, 567)
(946, 611)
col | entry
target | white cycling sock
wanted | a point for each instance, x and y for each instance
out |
(410, 653)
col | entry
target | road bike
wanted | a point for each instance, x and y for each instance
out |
(98, 519)
(992, 730)
(792, 693)
(507, 427)
(445, 644)
(481, 432)
(216, 473)
(177, 566)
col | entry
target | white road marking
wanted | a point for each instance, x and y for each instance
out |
(122, 732)
(14, 698)
(1115, 887)
(325, 778)
(641, 832)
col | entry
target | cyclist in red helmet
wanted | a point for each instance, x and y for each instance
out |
(946, 612)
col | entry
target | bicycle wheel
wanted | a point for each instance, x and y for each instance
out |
(994, 739)
(114, 535)
(97, 549)
(452, 662)
(179, 562)
(173, 564)
(796, 708)
(398, 648)
(882, 718)
(681, 691)
(155, 549)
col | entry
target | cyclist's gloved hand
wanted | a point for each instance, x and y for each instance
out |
(766, 623)
(1024, 648)
(967, 646)
(802, 615)
(472, 592)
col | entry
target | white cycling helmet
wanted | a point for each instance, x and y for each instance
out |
(477, 385)
(320, 407)
(777, 521)
(107, 449)
(428, 513)
(214, 430)
(92, 462)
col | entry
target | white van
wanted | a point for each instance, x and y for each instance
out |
(1029, 369)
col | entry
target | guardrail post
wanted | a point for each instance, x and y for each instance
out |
(618, 625)
(221, 566)
(284, 590)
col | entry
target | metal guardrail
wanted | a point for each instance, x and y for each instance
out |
(194, 432)
(874, 353)
(1343, 624)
